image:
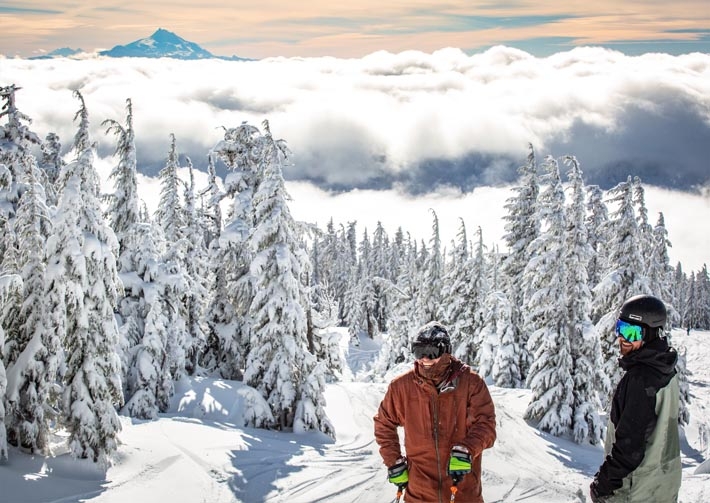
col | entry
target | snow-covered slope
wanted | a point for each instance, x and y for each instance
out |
(198, 453)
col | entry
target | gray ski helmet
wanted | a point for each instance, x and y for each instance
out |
(645, 310)
(435, 334)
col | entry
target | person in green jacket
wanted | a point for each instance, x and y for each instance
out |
(642, 447)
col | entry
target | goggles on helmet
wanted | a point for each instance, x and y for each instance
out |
(428, 350)
(629, 331)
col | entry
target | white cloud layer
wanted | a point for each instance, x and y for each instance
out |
(411, 123)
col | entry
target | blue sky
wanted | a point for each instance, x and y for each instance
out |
(357, 28)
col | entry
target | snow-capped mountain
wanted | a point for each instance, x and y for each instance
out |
(64, 52)
(161, 44)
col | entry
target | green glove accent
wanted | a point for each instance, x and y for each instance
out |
(459, 462)
(398, 473)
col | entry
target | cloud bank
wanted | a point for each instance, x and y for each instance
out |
(412, 121)
(389, 136)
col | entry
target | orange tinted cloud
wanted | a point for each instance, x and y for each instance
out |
(347, 29)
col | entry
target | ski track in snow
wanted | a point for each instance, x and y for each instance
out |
(349, 469)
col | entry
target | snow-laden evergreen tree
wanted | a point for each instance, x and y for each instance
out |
(347, 275)
(362, 297)
(3, 389)
(586, 352)
(679, 284)
(498, 336)
(684, 389)
(51, 164)
(279, 364)
(212, 197)
(522, 227)
(169, 213)
(624, 277)
(16, 159)
(699, 304)
(197, 274)
(32, 401)
(429, 296)
(16, 138)
(396, 348)
(82, 137)
(158, 347)
(660, 272)
(597, 218)
(379, 269)
(346, 254)
(690, 302)
(477, 290)
(463, 292)
(123, 203)
(82, 258)
(184, 270)
(645, 230)
(353, 311)
(499, 354)
(228, 318)
(155, 355)
(546, 305)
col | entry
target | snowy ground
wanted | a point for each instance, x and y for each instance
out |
(195, 454)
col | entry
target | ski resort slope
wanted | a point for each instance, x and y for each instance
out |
(196, 454)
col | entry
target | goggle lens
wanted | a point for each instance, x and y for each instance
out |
(629, 331)
(427, 350)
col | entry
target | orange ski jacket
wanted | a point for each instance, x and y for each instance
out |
(462, 413)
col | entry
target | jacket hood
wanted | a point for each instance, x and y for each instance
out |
(656, 354)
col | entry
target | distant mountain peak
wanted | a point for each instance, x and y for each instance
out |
(64, 52)
(161, 44)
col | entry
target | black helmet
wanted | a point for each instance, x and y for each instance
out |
(644, 309)
(433, 335)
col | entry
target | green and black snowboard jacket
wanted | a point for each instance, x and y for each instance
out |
(642, 444)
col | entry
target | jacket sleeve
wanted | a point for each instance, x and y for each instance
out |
(636, 422)
(387, 419)
(480, 418)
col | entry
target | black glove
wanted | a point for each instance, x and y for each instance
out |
(594, 493)
(398, 473)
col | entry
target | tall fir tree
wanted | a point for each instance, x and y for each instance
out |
(3, 390)
(660, 272)
(51, 164)
(463, 291)
(229, 322)
(546, 305)
(279, 363)
(17, 142)
(197, 274)
(16, 138)
(624, 276)
(32, 401)
(597, 218)
(397, 346)
(83, 259)
(585, 349)
(169, 213)
(522, 227)
(429, 296)
(123, 203)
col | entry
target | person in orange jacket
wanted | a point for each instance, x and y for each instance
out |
(448, 418)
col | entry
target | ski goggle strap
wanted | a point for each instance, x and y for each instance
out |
(629, 331)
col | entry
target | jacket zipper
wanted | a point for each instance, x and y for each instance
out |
(435, 406)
